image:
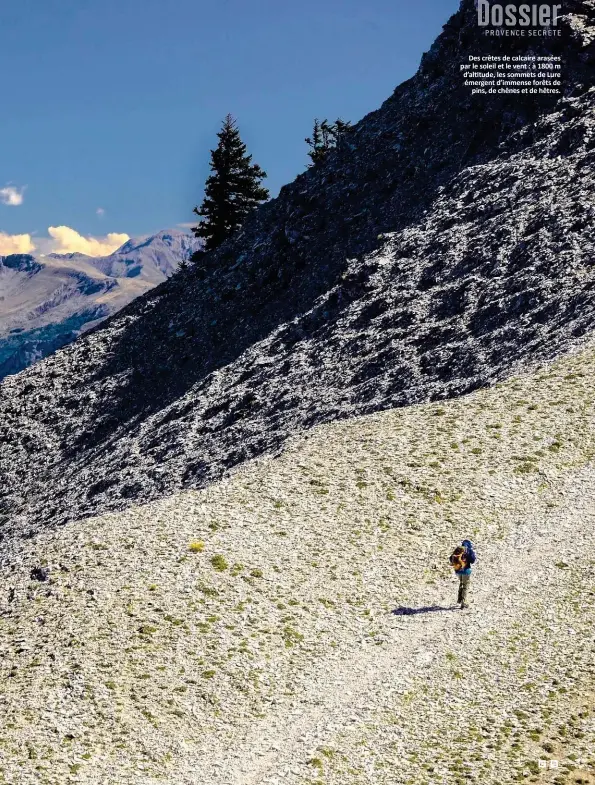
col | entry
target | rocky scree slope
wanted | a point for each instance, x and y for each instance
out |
(246, 634)
(446, 242)
(46, 303)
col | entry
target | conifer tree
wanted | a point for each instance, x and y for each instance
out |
(325, 137)
(317, 151)
(233, 189)
(341, 127)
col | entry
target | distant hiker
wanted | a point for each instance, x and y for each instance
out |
(461, 559)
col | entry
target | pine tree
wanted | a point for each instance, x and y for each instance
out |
(232, 191)
(325, 138)
(341, 127)
(317, 152)
(328, 135)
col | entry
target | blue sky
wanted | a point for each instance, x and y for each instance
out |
(114, 104)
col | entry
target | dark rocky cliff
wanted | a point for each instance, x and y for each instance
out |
(447, 242)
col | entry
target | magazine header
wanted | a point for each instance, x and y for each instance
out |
(526, 15)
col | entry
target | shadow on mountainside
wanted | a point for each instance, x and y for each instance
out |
(384, 175)
(312, 313)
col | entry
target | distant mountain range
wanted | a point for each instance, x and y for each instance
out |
(47, 302)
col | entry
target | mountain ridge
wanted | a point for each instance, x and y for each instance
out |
(434, 252)
(48, 301)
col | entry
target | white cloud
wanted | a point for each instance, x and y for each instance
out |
(100, 212)
(189, 225)
(67, 240)
(61, 240)
(11, 195)
(15, 243)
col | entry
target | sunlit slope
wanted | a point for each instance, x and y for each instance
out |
(243, 634)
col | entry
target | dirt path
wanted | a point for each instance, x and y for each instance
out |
(353, 682)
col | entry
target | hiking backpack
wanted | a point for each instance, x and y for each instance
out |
(458, 558)
(471, 557)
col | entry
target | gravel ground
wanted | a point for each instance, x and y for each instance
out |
(246, 633)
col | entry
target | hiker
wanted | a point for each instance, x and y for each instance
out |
(461, 559)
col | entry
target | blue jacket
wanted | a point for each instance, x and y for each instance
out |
(471, 558)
